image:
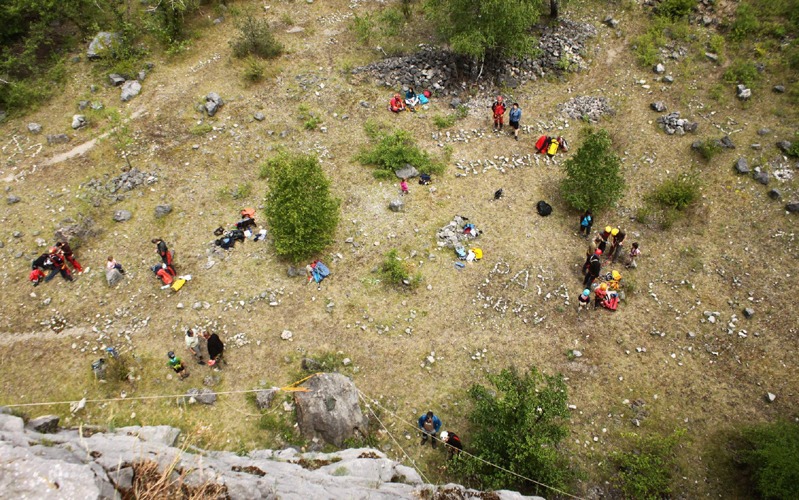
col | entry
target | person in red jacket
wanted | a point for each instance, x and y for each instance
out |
(163, 273)
(499, 109)
(396, 104)
(59, 267)
(66, 250)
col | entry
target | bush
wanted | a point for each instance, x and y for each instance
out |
(675, 9)
(516, 424)
(255, 39)
(253, 70)
(300, 210)
(744, 72)
(644, 472)
(708, 149)
(676, 193)
(746, 22)
(393, 151)
(770, 453)
(394, 271)
(593, 179)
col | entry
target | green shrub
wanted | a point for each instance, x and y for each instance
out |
(256, 39)
(444, 121)
(676, 193)
(254, 70)
(716, 45)
(201, 129)
(393, 151)
(517, 424)
(300, 210)
(394, 271)
(770, 453)
(708, 149)
(746, 22)
(645, 471)
(675, 9)
(744, 72)
(593, 178)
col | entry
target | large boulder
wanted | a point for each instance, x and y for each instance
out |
(101, 42)
(46, 424)
(407, 172)
(330, 410)
(212, 103)
(76, 234)
(113, 276)
(130, 89)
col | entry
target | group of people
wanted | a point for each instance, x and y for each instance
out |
(398, 104)
(55, 262)
(498, 110)
(214, 349)
(429, 427)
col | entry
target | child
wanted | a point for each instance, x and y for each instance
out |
(112, 264)
(584, 300)
(586, 221)
(634, 253)
(176, 364)
(404, 186)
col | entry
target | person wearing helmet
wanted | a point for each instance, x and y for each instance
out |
(452, 443)
(594, 268)
(66, 251)
(584, 300)
(429, 425)
(498, 109)
(600, 294)
(605, 236)
(396, 104)
(616, 248)
(177, 365)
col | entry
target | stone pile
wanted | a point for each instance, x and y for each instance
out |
(673, 124)
(452, 234)
(131, 179)
(586, 107)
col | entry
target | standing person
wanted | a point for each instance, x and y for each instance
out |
(617, 248)
(592, 247)
(176, 364)
(66, 251)
(429, 424)
(514, 117)
(604, 236)
(404, 186)
(498, 108)
(193, 345)
(594, 268)
(634, 253)
(215, 349)
(586, 221)
(452, 442)
(113, 264)
(59, 267)
(166, 256)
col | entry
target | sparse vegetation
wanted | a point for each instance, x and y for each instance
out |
(708, 149)
(201, 129)
(593, 178)
(394, 271)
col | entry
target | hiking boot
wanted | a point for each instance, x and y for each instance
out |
(516, 137)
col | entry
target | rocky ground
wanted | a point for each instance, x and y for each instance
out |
(681, 352)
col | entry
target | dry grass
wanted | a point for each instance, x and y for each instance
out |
(741, 245)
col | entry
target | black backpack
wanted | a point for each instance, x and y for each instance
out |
(543, 208)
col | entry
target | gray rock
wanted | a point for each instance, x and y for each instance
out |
(659, 69)
(610, 22)
(57, 139)
(668, 79)
(407, 172)
(17, 234)
(113, 276)
(12, 199)
(162, 211)
(455, 103)
(755, 146)
(742, 166)
(122, 478)
(762, 177)
(45, 425)
(142, 75)
(263, 398)
(330, 409)
(259, 116)
(365, 104)
(204, 396)
(784, 146)
(396, 206)
(742, 92)
(116, 79)
(122, 215)
(658, 106)
(76, 234)
(211, 380)
(792, 207)
(101, 42)
(159, 434)
(764, 131)
(749, 312)
(293, 272)
(34, 128)
(780, 89)
(713, 57)
(726, 142)
(83, 105)
(11, 423)
(775, 194)
(212, 103)
(78, 121)
(130, 89)
(97, 106)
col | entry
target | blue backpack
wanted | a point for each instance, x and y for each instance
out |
(320, 271)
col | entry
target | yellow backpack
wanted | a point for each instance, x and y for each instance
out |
(478, 253)
(553, 147)
(178, 284)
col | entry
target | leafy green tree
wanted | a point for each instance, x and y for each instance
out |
(771, 454)
(486, 29)
(645, 471)
(300, 210)
(593, 179)
(517, 425)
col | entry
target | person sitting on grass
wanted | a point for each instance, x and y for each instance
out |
(396, 104)
(410, 98)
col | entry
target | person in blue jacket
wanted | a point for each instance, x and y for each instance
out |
(429, 424)
(514, 117)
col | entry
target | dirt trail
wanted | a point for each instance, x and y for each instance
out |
(7, 338)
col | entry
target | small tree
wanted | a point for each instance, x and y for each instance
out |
(300, 210)
(645, 471)
(593, 179)
(517, 425)
(771, 454)
(486, 28)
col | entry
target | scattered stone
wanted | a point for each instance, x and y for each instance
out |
(78, 121)
(83, 105)
(780, 89)
(293, 272)
(259, 116)
(46, 424)
(586, 108)
(57, 139)
(673, 124)
(34, 128)
(576, 353)
(76, 234)
(610, 22)
(130, 89)
(116, 79)
(365, 104)
(784, 146)
(330, 410)
(122, 215)
(212, 103)
(771, 397)
(658, 106)
(668, 79)
(295, 29)
(12, 199)
(263, 398)
(310, 365)
(211, 380)
(659, 69)
(407, 172)
(286, 335)
(396, 205)
(742, 166)
(743, 93)
(762, 177)
(749, 312)
(100, 43)
(203, 396)
(774, 194)
(764, 131)
(162, 211)
(713, 57)
(455, 103)
(726, 142)
(792, 207)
